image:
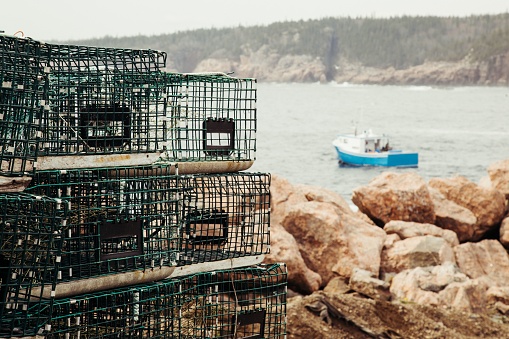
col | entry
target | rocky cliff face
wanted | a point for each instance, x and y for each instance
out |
(269, 66)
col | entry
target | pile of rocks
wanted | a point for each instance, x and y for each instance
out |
(441, 243)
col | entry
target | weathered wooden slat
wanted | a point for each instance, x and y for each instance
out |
(89, 161)
(217, 265)
(195, 167)
(13, 184)
(106, 282)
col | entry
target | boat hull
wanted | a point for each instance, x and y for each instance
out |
(385, 159)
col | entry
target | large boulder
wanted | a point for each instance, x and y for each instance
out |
(333, 243)
(407, 229)
(486, 258)
(467, 296)
(332, 238)
(488, 205)
(504, 232)
(365, 283)
(422, 284)
(282, 194)
(452, 216)
(415, 252)
(395, 196)
(284, 248)
(313, 193)
(499, 176)
(444, 285)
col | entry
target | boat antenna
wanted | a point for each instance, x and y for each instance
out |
(354, 123)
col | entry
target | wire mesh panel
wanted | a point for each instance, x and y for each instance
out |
(20, 94)
(240, 303)
(31, 230)
(101, 101)
(120, 219)
(213, 119)
(224, 216)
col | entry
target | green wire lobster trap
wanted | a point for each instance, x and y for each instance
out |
(69, 106)
(64, 106)
(20, 94)
(212, 123)
(238, 303)
(127, 219)
(122, 225)
(31, 230)
(101, 101)
(224, 216)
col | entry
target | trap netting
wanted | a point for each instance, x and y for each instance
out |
(20, 93)
(130, 218)
(238, 303)
(120, 219)
(63, 106)
(31, 230)
(224, 216)
(212, 119)
(102, 101)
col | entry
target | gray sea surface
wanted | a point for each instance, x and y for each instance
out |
(455, 130)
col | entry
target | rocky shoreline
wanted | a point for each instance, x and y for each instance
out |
(269, 66)
(432, 253)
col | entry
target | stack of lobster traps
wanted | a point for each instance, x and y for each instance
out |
(125, 206)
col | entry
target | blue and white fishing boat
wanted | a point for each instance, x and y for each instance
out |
(368, 149)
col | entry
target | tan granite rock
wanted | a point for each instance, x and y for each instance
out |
(451, 216)
(415, 252)
(406, 229)
(285, 249)
(395, 196)
(488, 205)
(485, 258)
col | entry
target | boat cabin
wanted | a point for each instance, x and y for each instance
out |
(365, 142)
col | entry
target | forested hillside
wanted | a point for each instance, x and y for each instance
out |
(397, 43)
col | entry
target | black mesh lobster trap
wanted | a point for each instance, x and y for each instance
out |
(101, 103)
(212, 123)
(20, 94)
(121, 221)
(240, 303)
(224, 216)
(31, 230)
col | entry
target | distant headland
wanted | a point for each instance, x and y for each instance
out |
(441, 51)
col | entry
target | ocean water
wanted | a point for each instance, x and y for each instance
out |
(456, 130)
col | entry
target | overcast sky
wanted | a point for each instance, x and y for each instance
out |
(57, 20)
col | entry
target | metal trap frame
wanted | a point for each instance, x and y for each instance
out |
(101, 102)
(127, 219)
(224, 217)
(20, 94)
(212, 123)
(31, 229)
(247, 302)
(70, 106)
(121, 221)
